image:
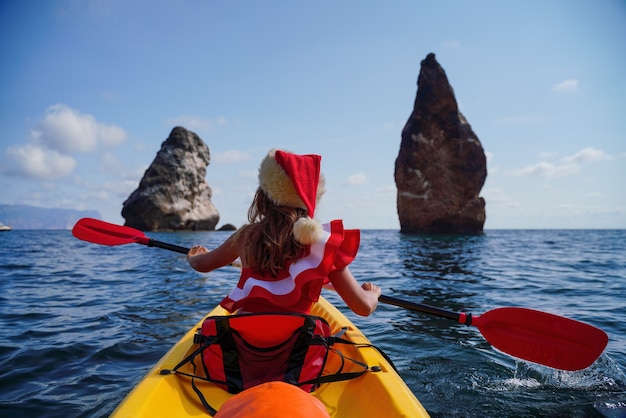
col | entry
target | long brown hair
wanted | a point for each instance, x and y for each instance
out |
(268, 238)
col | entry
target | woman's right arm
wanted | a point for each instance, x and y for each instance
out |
(203, 260)
(361, 299)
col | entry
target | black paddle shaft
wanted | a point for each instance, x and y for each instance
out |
(455, 316)
(154, 243)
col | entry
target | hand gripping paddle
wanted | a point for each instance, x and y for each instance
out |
(531, 335)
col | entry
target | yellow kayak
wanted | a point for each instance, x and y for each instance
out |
(380, 393)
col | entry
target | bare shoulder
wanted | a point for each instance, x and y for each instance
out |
(240, 240)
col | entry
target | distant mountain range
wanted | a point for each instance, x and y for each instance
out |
(33, 217)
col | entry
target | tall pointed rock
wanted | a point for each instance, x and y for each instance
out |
(173, 194)
(441, 166)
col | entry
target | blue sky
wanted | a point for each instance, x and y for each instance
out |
(90, 89)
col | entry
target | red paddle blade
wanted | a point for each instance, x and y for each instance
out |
(542, 338)
(100, 232)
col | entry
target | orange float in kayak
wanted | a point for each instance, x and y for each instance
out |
(273, 399)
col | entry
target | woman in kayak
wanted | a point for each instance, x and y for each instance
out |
(286, 255)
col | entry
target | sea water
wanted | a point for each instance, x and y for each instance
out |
(81, 323)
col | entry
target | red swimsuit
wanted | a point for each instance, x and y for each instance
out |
(299, 285)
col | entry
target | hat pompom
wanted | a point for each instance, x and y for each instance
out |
(306, 230)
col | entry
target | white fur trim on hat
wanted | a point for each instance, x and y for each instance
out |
(307, 230)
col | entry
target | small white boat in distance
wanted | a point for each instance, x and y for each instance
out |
(4, 227)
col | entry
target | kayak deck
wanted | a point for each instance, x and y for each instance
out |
(381, 393)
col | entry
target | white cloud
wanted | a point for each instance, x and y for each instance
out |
(545, 169)
(69, 131)
(34, 161)
(586, 155)
(62, 131)
(567, 86)
(356, 179)
(229, 156)
(567, 165)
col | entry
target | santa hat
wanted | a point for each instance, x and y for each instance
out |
(294, 180)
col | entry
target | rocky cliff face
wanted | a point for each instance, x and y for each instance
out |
(173, 193)
(441, 166)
